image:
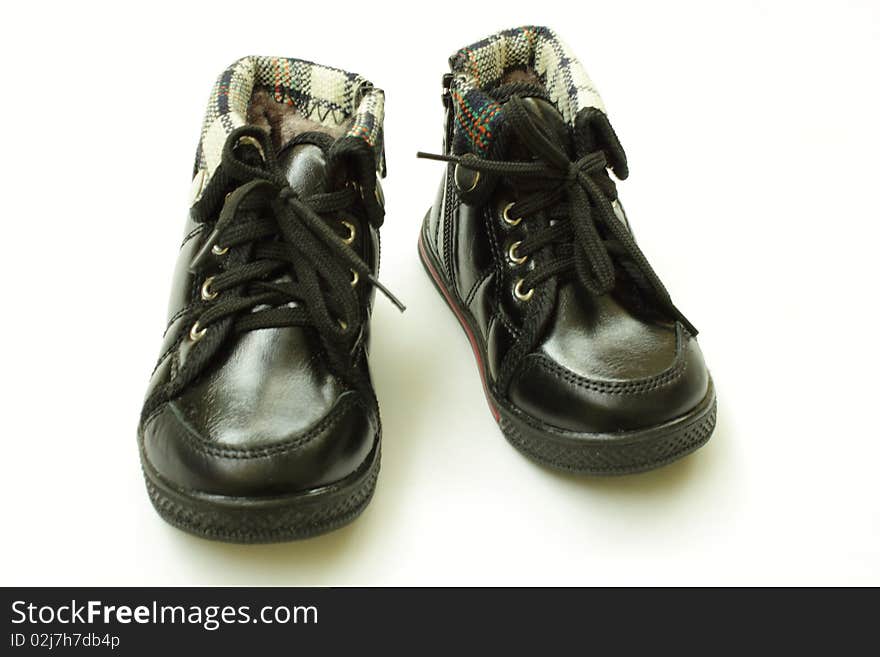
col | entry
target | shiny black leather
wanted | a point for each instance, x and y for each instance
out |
(268, 417)
(600, 366)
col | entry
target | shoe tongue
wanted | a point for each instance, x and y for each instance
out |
(304, 163)
(576, 143)
(547, 119)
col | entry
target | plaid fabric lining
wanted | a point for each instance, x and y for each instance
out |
(326, 95)
(480, 67)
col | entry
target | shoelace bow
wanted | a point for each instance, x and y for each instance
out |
(581, 246)
(282, 264)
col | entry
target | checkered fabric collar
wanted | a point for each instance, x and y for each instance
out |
(330, 96)
(479, 68)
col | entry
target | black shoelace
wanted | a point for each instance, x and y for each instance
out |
(281, 263)
(589, 237)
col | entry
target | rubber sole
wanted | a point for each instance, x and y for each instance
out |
(265, 519)
(619, 453)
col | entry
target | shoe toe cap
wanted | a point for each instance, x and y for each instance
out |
(192, 459)
(555, 395)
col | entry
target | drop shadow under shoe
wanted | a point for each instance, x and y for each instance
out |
(260, 421)
(586, 363)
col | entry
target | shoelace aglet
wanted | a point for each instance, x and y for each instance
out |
(432, 156)
(388, 294)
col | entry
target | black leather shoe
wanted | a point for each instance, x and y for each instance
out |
(586, 363)
(260, 422)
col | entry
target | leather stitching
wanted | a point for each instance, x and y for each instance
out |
(496, 256)
(486, 217)
(195, 231)
(441, 214)
(180, 313)
(153, 414)
(450, 207)
(202, 446)
(505, 325)
(175, 360)
(476, 286)
(508, 324)
(167, 353)
(636, 386)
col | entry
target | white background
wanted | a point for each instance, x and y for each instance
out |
(753, 139)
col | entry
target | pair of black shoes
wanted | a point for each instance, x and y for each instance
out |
(260, 421)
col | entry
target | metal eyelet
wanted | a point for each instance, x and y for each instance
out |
(511, 254)
(506, 216)
(522, 296)
(352, 231)
(457, 179)
(196, 333)
(251, 141)
(218, 250)
(355, 277)
(207, 294)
